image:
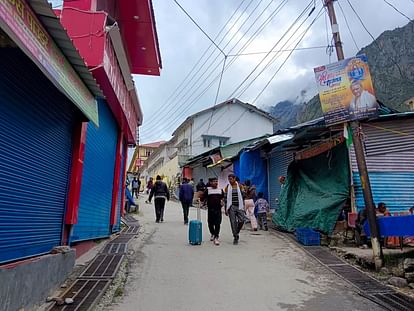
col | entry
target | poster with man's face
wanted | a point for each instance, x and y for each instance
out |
(346, 91)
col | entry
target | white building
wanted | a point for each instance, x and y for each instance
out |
(226, 123)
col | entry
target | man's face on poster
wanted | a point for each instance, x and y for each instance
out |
(356, 89)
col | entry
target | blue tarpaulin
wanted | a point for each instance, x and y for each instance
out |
(251, 166)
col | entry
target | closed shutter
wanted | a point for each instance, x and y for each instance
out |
(278, 165)
(117, 226)
(36, 123)
(97, 180)
(390, 163)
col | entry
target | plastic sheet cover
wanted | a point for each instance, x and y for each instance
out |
(315, 192)
(254, 168)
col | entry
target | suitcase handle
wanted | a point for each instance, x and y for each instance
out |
(198, 210)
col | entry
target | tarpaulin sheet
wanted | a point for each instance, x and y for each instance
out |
(253, 167)
(315, 192)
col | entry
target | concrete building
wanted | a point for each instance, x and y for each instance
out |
(141, 154)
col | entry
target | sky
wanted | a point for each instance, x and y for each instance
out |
(182, 88)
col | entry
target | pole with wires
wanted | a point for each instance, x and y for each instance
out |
(359, 152)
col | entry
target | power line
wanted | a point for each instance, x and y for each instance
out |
(347, 25)
(395, 8)
(194, 83)
(174, 94)
(274, 46)
(280, 67)
(376, 43)
(189, 16)
(255, 34)
(279, 51)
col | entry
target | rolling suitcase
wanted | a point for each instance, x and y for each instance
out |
(195, 229)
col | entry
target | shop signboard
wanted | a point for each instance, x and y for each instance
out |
(346, 91)
(21, 24)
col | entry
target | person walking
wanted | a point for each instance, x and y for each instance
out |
(214, 198)
(135, 187)
(186, 196)
(161, 194)
(262, 207)
(234, 206)
(250, 192)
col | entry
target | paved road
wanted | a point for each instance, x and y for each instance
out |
(266, 271)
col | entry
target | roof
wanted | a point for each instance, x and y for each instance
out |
(233, 101)
(50, 21)
(153, 145)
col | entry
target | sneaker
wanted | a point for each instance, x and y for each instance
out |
(212, 238)
(235, 241)
(216, 242)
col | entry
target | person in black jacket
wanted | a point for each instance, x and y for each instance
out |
(160, 193)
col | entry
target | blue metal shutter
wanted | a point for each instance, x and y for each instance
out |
(36, 123)
(98, 177)
(277, 166)
(117, 225)
(390, 162)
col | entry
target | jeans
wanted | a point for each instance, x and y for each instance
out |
(159, 209)
(135, 190)
(186, 208)
(214, 222)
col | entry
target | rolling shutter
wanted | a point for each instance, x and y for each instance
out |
(36, 123)
(98, 176)
(278, 165)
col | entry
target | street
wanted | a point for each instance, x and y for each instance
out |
(266, 271)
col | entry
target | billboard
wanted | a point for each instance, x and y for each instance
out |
(346, 91)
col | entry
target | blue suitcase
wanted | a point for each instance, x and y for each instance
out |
(195, 234)
(195, 229)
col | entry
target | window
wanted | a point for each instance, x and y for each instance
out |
(148, 153)
(222, 142)
(207, 142)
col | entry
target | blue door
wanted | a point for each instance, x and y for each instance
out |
(98, 177)
(36, 123)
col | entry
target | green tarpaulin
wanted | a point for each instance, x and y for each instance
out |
(315, 192)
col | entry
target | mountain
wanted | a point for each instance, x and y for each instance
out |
(391, 62)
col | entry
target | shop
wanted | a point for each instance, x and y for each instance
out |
(46, 94)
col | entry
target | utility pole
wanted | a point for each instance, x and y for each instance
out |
(359, 152)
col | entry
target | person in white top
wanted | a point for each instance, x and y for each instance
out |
(362, 101)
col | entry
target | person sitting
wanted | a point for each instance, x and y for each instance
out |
(360, 237)
(382, 210)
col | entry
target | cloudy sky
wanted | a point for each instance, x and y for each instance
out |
(248, 26)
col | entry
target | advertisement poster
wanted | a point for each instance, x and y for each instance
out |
(346, 91)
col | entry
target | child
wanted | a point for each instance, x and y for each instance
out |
(262, 209)
(214, 197)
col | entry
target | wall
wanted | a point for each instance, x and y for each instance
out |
(232, 120)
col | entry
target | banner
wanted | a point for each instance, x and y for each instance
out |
(346, 91)
(19, 21)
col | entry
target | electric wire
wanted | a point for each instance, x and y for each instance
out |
(347, 25)
(196, 84)
(284, 62)
(189, 75)
(274, 46)
(279, 51)
(275, 57)
(255, 34)
(396, 9)
(377, 45)
(199, 27)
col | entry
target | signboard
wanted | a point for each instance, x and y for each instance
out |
(346, 91)
(319, 148)
(19, 21)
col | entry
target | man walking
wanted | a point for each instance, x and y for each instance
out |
(135, 187)
(186, 198)
(214, 198)
(234, 206)
(161, 194)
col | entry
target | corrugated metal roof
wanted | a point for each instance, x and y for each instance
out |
(51, 22)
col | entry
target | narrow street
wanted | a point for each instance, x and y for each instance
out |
(266, 271)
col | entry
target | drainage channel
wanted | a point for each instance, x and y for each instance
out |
(98, 275)
(367, 286)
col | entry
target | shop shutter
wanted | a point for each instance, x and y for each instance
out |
(117, 226)
(390, 162)
(277, 165)
(98, 176)
(36, 123)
